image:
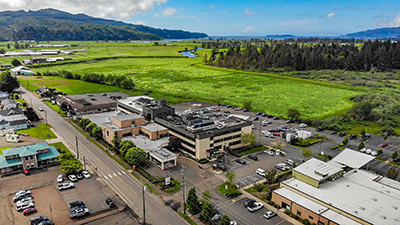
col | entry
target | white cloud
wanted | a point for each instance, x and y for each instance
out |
(385, 21)
(330, 15)
(139, 22)
(248, 12)
(248, 29)
(120, 9)
(295, 22)
(169, 11)
(198, 20)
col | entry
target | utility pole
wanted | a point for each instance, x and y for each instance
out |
(184, 190)
(84, 162)
(144, 205)
(259, 134)
(45, 115)
(51, 212)
(77, 149)
(31, 103)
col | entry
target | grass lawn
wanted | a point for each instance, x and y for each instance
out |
(56, 108)
(230, 192)
(177, 80)
(42, 131)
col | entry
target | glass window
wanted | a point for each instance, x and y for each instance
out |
(310, 217)
(298, 212)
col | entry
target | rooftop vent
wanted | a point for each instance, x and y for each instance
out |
(374, 199)
(362, 208)
(383, 217)
(394, 207)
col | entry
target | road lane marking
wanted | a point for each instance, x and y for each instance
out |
(115, 174)
(110, 175)
(119, 173)
(106, 177)
(123, 172)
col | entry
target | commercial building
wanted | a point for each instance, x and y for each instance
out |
(131, 125)
(203, 138)
(164, 158)
(27, 157)
(90, 103)
(146, 106)
(340, 192)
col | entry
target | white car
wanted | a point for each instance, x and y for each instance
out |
(72, 178)
(256, 206)
(363, 150)
(266, 122)
(22, 201)
(86, 174)
(78, 212)
(269, 214)
(374, 153)
(261, 172)
(65, 186)
(41, 108)
(303, 125)
(60, 178)
(269, 152)
(368, 151)
(25, 206)
(27, 202)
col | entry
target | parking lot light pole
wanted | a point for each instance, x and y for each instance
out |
(77, 149)
(184, 189)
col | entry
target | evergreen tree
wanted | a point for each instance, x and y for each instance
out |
(361, 145)
(207, 212)
(8, 82)
(225, 220)
(192, 201)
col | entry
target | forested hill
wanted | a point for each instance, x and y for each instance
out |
(52, 25)
(382, 33)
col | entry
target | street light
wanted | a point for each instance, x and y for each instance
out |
(144, 205)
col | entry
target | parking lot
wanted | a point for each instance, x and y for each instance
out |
(48, 200)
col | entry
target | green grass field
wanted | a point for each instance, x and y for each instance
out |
(42, 131)
(177, 80)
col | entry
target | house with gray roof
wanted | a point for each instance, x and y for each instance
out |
(27, 157)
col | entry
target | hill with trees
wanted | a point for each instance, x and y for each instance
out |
(381, 33)
(55, 25)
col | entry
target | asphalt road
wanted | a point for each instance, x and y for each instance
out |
(123, 183)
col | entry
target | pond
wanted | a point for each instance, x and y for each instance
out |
(190, 53)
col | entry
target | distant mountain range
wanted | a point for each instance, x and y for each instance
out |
(381, 33)
(51, 25)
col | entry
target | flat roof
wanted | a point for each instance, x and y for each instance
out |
(301, 200)
(154, 127)
(353, 159)
(163, 154)
(357, 193)
(128, 117)
(97, 98)
(313, 166)
(338, 218)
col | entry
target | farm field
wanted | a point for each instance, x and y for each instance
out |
(177, 80)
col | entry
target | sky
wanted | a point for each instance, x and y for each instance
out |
(235, 17)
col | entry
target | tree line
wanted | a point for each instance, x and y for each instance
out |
(119, 81)
(262, 56)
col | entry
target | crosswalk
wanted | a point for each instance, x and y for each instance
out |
(110, 176)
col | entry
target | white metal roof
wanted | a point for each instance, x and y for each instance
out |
(353, 159)
(338, 218)
(358, 194)
(301, 200)
(317, 169)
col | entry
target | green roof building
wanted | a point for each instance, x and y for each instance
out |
(27, 157)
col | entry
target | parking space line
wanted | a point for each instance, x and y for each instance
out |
(106, 177)
(119, 173)
(110, 175)
(115, 174)
(123, 172)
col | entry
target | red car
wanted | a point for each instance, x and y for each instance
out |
(29, 211)
(276, 134)
(27, 172)
(384, 144)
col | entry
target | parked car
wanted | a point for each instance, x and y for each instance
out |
(333, 132)
(363, 150)
(46, 222)
(289, 121)
(72, 178)
(256, 206)
(29, 211)
(41, 108)
(21, 194)
(264, 115)
(261, 172)
(22, 201)
(76, 203)
(217, 216)
(259, 113)
(290, 162)
(79, 175)
(24, 206)
(110, 203)
(396, 159)
(276, 118)
(237, 108)
(282, 166)
(60, 178)
(65, 186)
(269, 152)
(266, 122)
(368, 151)
(246, 110)
(352, 136)
(303, 125)
(78, 212)
(27, 172)
(37, 219)
(342, 134)
(384, 144)
(374, 153)
(249, 202)
(253, 157)
(270, 214)
(241, 161)
(319, 129)
(229, 106)
(86, 174)
(233, 222)
(256, 118)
